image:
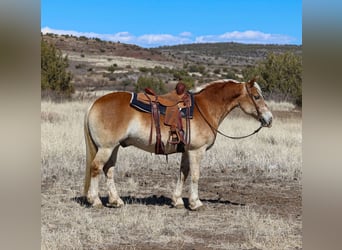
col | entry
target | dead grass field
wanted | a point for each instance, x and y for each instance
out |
(251, 189)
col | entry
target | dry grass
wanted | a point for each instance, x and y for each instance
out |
(281, 106)
(276, 152)
(144, 224)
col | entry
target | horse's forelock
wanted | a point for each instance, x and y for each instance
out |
(256, 85)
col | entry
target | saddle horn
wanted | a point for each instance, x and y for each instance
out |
(150, 91)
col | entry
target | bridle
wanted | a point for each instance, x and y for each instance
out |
(253, 100)
(228, 136)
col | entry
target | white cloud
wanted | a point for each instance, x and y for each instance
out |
(186, 34)
(120, 36)
(154, 40)
(162, 39)
(125, 37)
(206, 39)
(68, 32)
(249, 36)
(252, 36)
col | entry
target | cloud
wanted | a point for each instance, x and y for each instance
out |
(120, 36)
(185, 33)
(249, 36)
(125, 37)
(162, 39)
(155, 40)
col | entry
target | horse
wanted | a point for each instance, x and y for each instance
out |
(111, 122)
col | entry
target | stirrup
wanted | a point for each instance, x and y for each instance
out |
(173, 137)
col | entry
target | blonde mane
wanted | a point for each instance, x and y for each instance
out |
(204, 86)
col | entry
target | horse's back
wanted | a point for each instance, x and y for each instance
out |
(112, 101)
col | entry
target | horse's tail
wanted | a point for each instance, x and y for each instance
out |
(91, 150)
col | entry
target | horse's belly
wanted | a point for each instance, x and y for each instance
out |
(145, 145)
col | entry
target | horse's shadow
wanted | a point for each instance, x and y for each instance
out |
(152, 200)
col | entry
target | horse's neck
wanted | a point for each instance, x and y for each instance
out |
(218, 102)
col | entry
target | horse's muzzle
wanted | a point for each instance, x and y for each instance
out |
(266, 119)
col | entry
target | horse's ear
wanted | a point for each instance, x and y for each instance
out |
(252, 81)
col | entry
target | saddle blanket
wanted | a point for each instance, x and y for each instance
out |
(147, 107)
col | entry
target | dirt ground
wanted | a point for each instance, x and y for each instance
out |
(219, 191)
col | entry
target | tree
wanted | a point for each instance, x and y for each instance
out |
(55, 79)
(150, 82)
(280, 76)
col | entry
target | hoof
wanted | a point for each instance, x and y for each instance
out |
(95, 202)
(196, 206)
(97, 206)
(116, 204)
(178, 206)
(178, 203)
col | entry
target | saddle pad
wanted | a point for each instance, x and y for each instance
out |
(134, 102)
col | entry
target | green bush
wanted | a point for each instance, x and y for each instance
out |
(229, 75)
(125, 83)
(280, 76)
(196, 68)
(182, 75)
(150, 82)
(144, 69)
(217, 71)
(55, 79)
(112, 68)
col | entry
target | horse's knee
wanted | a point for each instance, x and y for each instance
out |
(195, 177)
(95, 169)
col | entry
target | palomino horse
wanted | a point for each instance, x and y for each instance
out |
(111, 122)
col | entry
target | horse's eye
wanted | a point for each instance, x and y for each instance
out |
(257, 97)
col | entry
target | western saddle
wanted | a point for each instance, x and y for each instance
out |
(174, 101)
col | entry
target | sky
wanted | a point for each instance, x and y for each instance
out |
(153, 23)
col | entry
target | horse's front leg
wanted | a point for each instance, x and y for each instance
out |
(177, 200)
(195, 158)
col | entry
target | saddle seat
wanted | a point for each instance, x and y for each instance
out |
(168, 100)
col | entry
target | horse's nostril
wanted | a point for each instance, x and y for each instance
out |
(265, 121)
(262, 120)
(270, 122)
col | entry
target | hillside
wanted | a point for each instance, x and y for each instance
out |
(235, 55)
(105, 65)
(99, 47)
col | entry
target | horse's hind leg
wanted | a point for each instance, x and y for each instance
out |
(113, 197)
(177, 200)
(101, 157)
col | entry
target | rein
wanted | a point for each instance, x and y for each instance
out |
(227, 136)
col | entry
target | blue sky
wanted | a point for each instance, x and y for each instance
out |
(152, 23)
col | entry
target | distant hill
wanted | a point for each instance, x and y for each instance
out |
(104, 65)
(95, 46)
(225, 54)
